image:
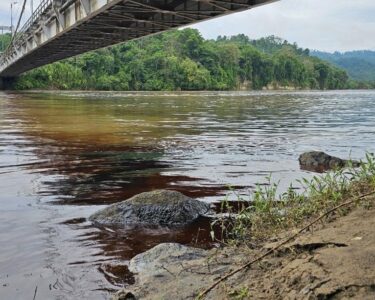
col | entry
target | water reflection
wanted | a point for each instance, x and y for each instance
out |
(100, 152)
(61, 156)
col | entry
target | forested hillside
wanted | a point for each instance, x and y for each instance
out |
(360, 65)
(183, 60)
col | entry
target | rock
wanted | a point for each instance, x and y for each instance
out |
(157, 269)
(159, 207)
(319, 161)
(166, 254)
(124, 295)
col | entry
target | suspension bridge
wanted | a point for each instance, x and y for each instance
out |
(59, 29)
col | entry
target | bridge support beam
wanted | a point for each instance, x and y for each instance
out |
(7, 83)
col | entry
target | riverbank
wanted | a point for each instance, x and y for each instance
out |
(317, 247)
(335, 261)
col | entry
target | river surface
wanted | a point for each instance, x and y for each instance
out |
(65, 155)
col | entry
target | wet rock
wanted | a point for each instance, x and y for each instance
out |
(159, 207)
(319, 161)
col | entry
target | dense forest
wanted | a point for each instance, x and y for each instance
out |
(360, 65)
(184, 60)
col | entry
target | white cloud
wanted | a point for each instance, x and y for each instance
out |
(317, 24)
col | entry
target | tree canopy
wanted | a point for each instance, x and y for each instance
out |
(360, 65)
(184, 60)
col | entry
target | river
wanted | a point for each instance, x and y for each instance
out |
(64, 155)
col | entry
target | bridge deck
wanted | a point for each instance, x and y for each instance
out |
(63, 28)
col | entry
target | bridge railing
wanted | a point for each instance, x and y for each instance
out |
(22, 33)
(37, 13)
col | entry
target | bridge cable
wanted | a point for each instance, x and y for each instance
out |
(18, 25)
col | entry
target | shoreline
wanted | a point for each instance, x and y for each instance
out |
(281, 90)
(315, 245)
(320, 263)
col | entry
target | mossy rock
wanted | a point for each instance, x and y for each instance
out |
(159, 207)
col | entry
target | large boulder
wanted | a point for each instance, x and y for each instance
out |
(159, 207)
(319, 161)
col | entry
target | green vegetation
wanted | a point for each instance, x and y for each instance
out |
(183, 60)
(271, 214)
(360, 65)
(4, 41)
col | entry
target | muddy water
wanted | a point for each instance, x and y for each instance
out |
(63, 156)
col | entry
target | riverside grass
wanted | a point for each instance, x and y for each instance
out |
(270, 213)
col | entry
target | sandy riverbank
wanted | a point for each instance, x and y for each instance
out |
(333, 260)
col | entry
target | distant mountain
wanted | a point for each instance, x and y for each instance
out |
(360, 65)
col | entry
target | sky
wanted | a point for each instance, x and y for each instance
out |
(327, 25)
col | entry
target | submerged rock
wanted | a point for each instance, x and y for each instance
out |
(159, 207)
(319, 161)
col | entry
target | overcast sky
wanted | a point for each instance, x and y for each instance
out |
(316, 24)
(327, 25)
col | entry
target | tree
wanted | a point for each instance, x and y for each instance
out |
(183, 59)
(322, 71)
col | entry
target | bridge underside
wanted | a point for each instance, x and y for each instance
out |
(7, 83)
(79, 28)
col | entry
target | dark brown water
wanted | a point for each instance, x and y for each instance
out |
(65, 155)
